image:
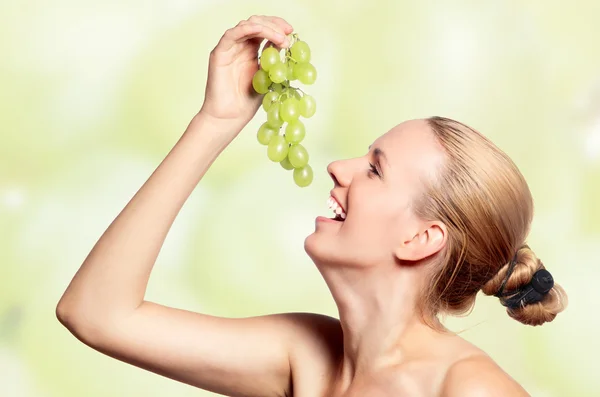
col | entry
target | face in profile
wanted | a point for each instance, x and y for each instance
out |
(376, 193)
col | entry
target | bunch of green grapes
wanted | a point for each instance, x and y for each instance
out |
(286, 104)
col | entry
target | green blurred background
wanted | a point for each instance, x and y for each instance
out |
(93, 95)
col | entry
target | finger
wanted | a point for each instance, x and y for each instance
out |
(276, 23)
(259, 20)
(269, 43)
(251, 30)
(265, 20)
(283, 24)
(247, 31)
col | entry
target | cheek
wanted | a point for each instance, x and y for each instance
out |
(370, 224)
(374, 213)
(399, 223)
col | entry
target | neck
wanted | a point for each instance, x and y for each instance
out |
(381, 324)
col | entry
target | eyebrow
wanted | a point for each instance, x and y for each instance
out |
(377, 153)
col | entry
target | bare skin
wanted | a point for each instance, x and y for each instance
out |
(378, 347)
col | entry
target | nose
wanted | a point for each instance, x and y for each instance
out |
(340, 172)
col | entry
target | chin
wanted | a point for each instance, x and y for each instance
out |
(316, 250)
(323, 252)
(310, 245)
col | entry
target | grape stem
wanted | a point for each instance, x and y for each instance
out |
(288, 52)
(293, 38)
(289, 89)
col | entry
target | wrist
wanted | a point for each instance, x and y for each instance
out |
(236, 124)
(220, 129)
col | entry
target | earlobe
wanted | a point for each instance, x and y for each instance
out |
(426, 243)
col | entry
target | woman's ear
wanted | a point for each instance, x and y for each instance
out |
(428, 241)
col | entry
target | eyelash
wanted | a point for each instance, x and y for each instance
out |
(373, 170)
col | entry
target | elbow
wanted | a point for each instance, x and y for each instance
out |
(72, 321)
(66, 313)
(84, 326)
(65, 316)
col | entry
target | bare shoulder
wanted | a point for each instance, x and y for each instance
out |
(315, 357)
(479, 376)
(316, 333)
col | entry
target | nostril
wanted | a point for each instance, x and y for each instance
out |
(335, 181)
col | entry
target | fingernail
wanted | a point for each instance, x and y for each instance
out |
(286, 42)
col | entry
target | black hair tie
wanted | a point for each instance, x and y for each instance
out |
(541, 283)
(511, 267)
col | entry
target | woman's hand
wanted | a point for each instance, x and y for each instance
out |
(233, 62)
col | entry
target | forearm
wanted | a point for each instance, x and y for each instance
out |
(113, 278)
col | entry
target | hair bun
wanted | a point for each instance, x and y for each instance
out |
(527, 289)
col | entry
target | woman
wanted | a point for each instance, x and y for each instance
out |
(434, 212)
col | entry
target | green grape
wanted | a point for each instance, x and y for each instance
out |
(278, 73)
(266, 133)
(261, 81)
(284, 104)
(303, 176)
(295, 132)
(308, 106)
(268, 58)
(273, 116)
(290, 71)
(268, 99)
(300, 51)
(306, 73)
(285, 163)
(298, 156)
(290, 110)
(277, 149)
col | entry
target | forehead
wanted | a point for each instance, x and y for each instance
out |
(410, 149)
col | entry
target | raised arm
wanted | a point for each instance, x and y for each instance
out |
(104, 304)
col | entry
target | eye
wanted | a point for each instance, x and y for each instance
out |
(373, 170)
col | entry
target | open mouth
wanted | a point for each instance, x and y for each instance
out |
(340, 214)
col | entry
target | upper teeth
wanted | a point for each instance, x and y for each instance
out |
(335, 206)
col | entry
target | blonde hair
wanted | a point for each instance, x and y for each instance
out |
(485, 203)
